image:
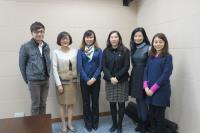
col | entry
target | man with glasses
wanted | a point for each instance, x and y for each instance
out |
(35, 64)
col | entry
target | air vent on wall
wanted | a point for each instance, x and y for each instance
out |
(126, 2)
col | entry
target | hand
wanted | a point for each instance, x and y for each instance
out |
(60, 89)
(146, 90)
(116, 80)
(150, 92)
(93, 80)
(113, 80)
(89, 82)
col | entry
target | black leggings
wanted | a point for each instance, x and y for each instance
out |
(121, 110)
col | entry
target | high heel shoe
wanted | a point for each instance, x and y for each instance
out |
(72, 129)
(63, 130)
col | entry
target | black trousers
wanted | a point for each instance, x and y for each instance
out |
(157, 117)
(90, 96)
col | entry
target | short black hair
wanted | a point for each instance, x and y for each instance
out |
(62, 35)
(36, 25)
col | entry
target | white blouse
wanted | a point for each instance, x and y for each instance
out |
(61, 64)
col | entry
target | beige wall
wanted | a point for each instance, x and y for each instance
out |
(74, 16)
(179, 20)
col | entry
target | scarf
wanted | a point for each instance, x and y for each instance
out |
(89, 51)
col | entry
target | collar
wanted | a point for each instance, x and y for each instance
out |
(41, 45)
(114, 49)
(37, 44)
(95, 49)
(140, 45)
(89, 45)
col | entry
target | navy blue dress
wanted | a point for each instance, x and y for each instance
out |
(138, 60)
(158, 70)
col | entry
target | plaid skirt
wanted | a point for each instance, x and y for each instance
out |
(116, 93)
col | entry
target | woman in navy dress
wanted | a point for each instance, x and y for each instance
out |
(157, 82)
(139, 54)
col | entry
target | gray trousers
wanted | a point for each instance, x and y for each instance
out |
(39, 92)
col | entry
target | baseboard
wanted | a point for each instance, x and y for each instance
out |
(78, 117)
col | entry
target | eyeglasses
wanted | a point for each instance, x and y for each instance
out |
(39, 31)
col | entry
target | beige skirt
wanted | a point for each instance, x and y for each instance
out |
(69, 95)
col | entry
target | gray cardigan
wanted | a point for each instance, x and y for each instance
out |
(33, 65)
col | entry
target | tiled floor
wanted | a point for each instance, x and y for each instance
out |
(104, 125)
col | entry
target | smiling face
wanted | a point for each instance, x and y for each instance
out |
(89, 40)
(114, 39)
(158, 44)
(38, 35)
(65, 41)
(138, 37)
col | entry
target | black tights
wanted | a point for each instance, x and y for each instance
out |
(121, 110)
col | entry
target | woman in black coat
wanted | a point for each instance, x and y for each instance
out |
(115, 63)
(139, 54)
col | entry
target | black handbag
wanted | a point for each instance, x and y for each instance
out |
(131, 111)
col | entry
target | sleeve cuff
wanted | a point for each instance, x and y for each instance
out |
(94, 78)
(155, 87)
(58, 83)
(145, 84)
(87, 79)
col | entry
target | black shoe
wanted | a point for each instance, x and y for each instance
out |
(138, 128)
(119, 130)
(113, 128)
(89, 129)
(95, 126)
(142, 131)
(143, 127)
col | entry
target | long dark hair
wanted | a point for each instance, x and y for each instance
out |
(132, 42)
(87, 34)
(120, 44)
(165, 50)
